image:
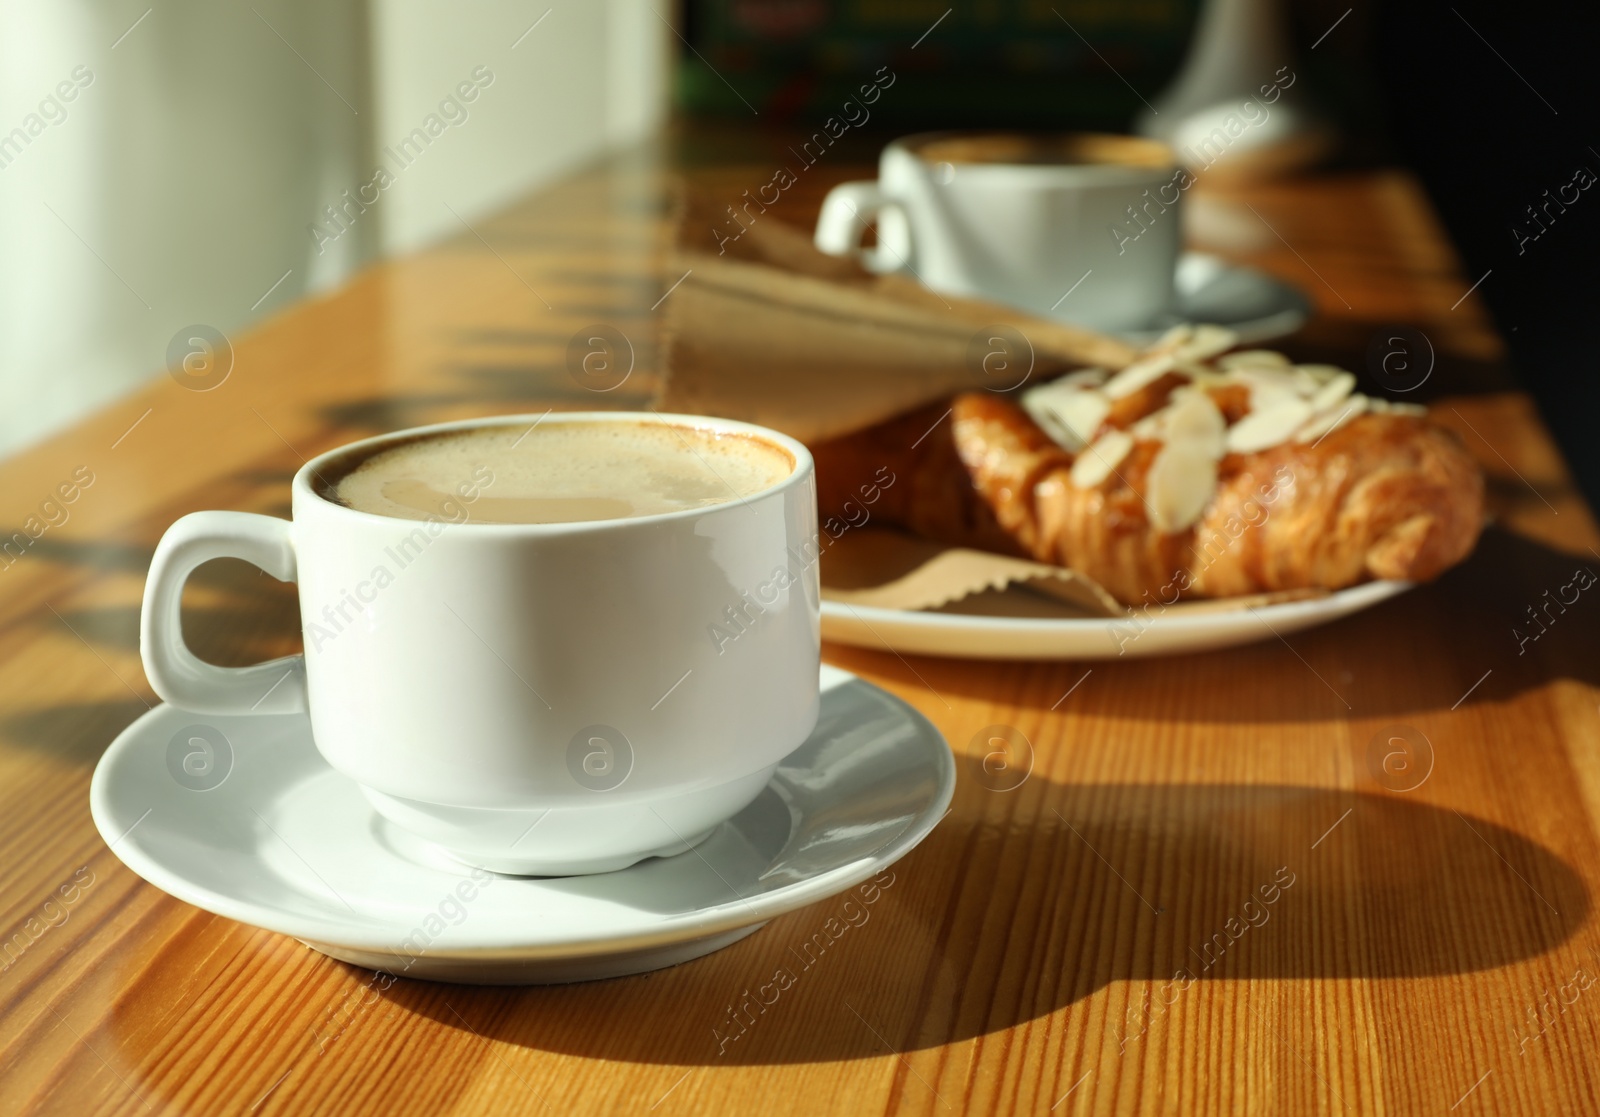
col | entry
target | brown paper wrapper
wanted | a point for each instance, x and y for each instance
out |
(767, 329)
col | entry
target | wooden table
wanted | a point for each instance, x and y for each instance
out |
(1416, 949)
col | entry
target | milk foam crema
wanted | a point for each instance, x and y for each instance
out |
(559, 472)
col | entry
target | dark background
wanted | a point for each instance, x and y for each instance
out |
(1490, 104)
(1487, 147)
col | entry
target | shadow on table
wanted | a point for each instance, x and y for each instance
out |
(1416, 654)
(233, 615)
(72, 732)
(1023, 902)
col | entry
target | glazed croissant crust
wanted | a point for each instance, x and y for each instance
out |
(1382, 495)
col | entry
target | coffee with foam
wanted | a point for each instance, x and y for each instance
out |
(556, 472)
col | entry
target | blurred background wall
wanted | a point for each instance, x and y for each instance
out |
(171, 164)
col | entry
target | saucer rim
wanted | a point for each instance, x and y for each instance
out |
(701, 923)
(948, 635)
(1250, 331)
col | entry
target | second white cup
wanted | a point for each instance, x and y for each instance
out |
(1079, 227)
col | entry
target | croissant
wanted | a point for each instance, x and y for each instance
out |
(1175, 478)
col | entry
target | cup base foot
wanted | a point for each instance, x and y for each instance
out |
(571, 841)
(515, 866)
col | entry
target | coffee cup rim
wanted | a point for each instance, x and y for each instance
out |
(303, 484)
(913, 144)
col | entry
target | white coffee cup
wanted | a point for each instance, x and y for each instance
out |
(544, 699)
(1078, 227)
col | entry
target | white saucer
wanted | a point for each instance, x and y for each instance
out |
(1020, 625)
(286, 843)
(1254, 305)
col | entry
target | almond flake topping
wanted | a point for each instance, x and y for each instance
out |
(1179, 485)
(1139, 374)
(1334, 418)
(1302, 403)
(1268, 426)
(1246, 358)
(1192, 417)
(1333, 391)
(1096, 462)
(1069, 411)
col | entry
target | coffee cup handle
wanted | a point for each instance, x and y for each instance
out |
(277, 686)
(847, 211)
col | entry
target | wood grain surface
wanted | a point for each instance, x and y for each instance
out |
(1197, 889)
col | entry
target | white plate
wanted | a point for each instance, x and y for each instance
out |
(1254, 305)
(990, 636)
(286, 843)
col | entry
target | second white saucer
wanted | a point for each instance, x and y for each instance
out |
(1254, 305)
